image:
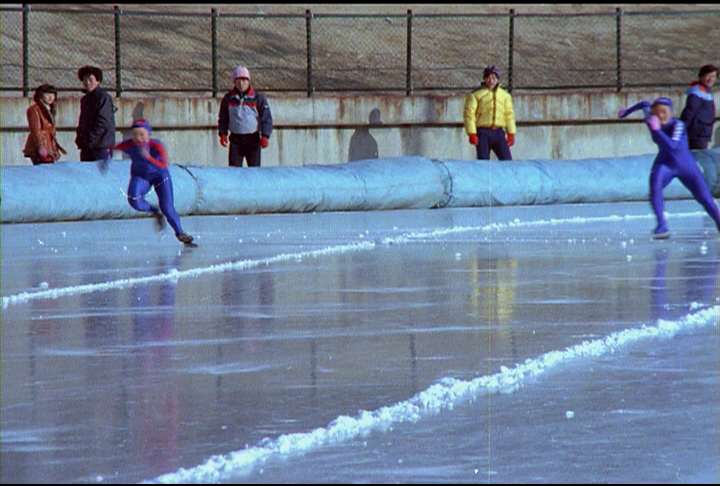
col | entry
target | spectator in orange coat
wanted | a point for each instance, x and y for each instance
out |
(41, 146)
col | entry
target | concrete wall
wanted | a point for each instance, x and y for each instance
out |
(326, 129)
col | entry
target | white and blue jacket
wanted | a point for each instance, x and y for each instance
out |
(244, 113)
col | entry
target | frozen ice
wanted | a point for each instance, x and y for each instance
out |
(555, 344)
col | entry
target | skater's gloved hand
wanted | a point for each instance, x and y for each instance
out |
(653, 123)
(622, 112)
(264, 141)
(473, 139)
(511, 139)
(43, 153)
(223, 140)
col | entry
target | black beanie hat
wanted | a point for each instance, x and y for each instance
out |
(491, 70)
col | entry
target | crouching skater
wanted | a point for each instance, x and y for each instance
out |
(674, 159)
(149, 167)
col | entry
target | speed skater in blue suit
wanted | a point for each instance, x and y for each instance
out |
(149, 168)
(674, 160)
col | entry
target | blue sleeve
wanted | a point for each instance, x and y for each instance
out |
(643, 105)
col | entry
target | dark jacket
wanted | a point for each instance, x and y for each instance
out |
(96, 126)
(699, 113)
(235, 106)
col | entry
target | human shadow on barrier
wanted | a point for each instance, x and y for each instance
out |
(138, 113)
(362, 144)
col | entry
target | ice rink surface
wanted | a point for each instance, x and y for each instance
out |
(543, 344)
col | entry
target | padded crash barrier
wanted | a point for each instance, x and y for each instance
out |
(70, 191)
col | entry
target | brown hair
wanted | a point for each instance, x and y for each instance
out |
(707, 68)
(41, 90)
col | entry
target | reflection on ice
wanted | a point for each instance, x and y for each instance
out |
(173, 274)
(444, 395)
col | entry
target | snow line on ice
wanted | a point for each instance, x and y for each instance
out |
(443, 395)
(174, 275)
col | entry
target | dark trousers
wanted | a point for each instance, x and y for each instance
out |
(244, 147)
(698, 144)
(489, 139)
(91, 155)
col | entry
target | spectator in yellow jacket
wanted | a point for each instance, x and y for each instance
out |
(490, 118)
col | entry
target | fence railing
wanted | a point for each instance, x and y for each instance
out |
(194, 53)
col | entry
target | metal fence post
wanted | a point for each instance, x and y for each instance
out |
(408, 68)
(510, 49)
(618, 41)
(26, 49)
(308, 30)
(118, 63)
(213, 29)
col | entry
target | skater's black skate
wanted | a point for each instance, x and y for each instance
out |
(186, 239)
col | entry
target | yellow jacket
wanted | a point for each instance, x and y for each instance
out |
(489, 109)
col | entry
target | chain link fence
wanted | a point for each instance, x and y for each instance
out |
(194, 53)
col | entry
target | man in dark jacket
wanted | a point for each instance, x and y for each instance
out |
(95, 132)
(244, 113)
(699, 112)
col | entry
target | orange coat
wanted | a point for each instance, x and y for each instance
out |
(42, 134)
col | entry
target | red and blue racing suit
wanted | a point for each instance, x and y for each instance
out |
(149, 167)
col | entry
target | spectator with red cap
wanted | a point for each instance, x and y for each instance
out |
(490, 118)
(674, 160)
(699, 112)
(150, 168)
(245, 115)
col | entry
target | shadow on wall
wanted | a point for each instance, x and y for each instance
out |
(362, 144)
(717, 138)
(138, 113)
